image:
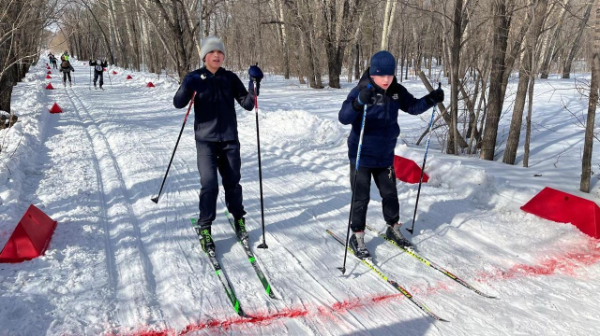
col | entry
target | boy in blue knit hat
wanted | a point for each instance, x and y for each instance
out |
(383, 96)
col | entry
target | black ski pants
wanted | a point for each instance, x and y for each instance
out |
(223, 157)
(385, 180)
(98, 74)
(65, 75)
(53, 64)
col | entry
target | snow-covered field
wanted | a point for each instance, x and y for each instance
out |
(120, 264)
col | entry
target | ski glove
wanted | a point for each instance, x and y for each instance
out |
(435, 96)
(256, 75)
(364, 97)
(193, 82)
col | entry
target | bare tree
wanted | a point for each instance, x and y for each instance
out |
(586, 164)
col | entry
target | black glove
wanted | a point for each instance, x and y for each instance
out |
(364, 97)
(256, 75)
(194, 81)
(435, 96)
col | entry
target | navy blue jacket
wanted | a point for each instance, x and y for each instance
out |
(214, 109)
(381, 125)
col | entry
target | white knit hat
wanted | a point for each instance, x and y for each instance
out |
(209, 44)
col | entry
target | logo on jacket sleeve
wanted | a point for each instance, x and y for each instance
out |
(395, 96)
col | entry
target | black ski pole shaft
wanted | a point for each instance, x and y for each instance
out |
(412, 227)
(262, 203)
(90, 85)
(155, 199)
(362, 131)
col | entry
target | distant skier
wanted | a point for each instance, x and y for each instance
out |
(384, 96)
(215, 126)
(66, 68)
(99, 66)
(65, 56)
(52, 59)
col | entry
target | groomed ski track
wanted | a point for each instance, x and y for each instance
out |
(121, 264)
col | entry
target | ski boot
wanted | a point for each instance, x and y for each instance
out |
(206, 241)
(357, 244)
(65, 84)
(95, 87)
(70, 84)
(393, 233)
(240, 229)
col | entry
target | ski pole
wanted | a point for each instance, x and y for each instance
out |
(263, 245)
(155, 199)
(411, 230)
(362, 132)
(90, 84)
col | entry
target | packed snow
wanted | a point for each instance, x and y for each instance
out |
(120, 264)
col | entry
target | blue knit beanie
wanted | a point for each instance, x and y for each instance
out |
(383, 63)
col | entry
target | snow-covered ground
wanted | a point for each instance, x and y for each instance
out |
(120, 264)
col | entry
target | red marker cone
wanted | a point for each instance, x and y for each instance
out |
(129, 77)
(49, 86)
(48, 77)
(49, 72)
(55, 109)
(114, 72)
(150, 85)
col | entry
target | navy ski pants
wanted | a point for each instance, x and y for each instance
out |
(225, 157)
(98, 74)
(385, 180)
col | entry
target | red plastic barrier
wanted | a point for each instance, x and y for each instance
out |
(49, 86)
(30, 238)
(55, 109)
(129, 77)
(408, 171)
(559, 206)
(150, 85)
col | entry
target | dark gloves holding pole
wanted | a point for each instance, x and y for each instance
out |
(256, 75)
(365, 96)
(435, 96)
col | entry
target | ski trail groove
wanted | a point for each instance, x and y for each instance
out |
(147, 297)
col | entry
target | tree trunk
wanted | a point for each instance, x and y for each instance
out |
(576, 43)
(586, 162)
(514, 135)
(455, 61)
(551, 43)
(501, 26)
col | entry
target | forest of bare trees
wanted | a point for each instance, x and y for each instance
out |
(474, 47)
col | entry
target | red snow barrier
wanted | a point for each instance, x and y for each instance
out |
(408, 171)
(49, 86)
(48, 77)
(114, 72)
(150, 85)
(55, 109)
(558, 206)
(30, 238)
(129, 77)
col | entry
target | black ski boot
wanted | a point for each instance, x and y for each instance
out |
(240, 228)
(357, 244)
(393, 233)
(208, 245)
